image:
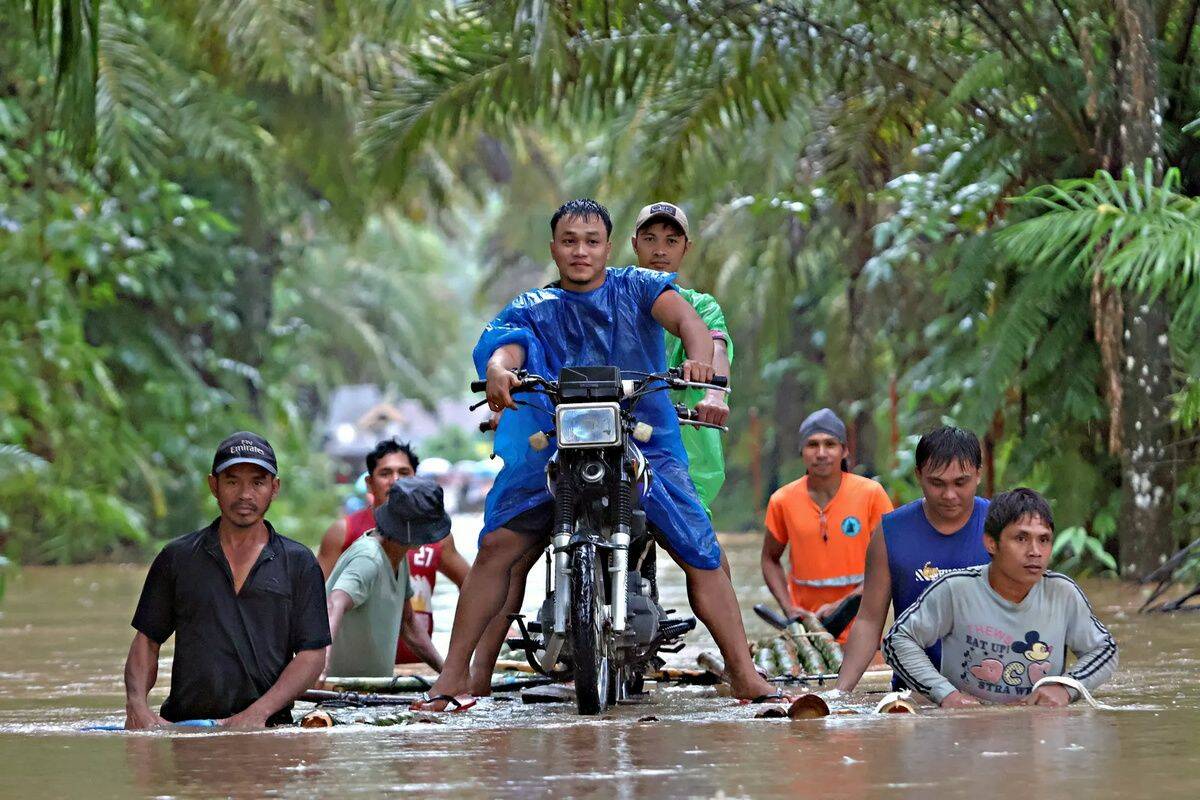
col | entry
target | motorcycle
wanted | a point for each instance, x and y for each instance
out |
(601, 624)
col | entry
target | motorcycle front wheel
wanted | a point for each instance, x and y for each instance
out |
(589, 643)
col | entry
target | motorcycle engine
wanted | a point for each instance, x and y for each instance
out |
(643, 612)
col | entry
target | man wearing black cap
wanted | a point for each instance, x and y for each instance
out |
(369, 591)
(825, 518)
(245, 604)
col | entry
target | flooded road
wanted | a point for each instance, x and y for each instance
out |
(64, 632)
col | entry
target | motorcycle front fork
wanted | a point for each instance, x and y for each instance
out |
(618, 566)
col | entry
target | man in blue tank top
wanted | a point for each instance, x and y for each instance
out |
(920, 541)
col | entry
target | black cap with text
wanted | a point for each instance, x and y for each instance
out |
(244, 447)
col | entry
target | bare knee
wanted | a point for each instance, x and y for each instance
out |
(502, 549)
(529, 560)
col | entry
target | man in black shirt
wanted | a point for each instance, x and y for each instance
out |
(246, 605)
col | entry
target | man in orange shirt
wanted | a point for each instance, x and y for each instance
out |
(825, 519)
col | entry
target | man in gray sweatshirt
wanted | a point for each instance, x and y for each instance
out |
(1005, 625)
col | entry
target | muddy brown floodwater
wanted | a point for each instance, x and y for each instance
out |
(64, 632)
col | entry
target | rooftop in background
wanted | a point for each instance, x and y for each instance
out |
(360, 415)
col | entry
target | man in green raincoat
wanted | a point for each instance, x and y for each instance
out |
(660, 241)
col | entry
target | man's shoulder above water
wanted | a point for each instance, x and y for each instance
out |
(190, 542)
(366, 547)
(914, 507)
(697, 298)
(199, 538)
(636, 273)
(790, 490)
(862, 485)
(618, 275)
(958, 580)
(1059, 587)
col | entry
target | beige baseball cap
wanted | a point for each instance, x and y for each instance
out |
(666, 211)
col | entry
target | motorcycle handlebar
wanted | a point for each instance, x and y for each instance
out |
(720, 381)
(481, 386)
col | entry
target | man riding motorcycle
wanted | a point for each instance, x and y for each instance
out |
(596, 316)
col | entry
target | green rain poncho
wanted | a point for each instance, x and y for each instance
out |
(706, 458)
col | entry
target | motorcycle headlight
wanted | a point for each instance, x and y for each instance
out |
(597, 425)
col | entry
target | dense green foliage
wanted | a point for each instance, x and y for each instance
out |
(174, 273)
(853, 165)
(912, 211)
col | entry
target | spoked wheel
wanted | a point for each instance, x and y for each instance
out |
(588, 633)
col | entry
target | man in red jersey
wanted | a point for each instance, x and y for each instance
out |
(388, 462)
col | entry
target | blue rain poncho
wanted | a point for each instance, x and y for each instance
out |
(608, 326)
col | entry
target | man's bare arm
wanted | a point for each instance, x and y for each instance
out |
(141, 672)
(331, 546)
(336, 606)
(678, 317)
(501, 377)
(773, 573)
(713, 408)
(872, 615)
(721, 358)
(453, 565)
(417, 638)
(298, 677)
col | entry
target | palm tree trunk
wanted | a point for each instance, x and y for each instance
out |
(256, 288)
(1146, 538)
(793, 399)
(860, 387)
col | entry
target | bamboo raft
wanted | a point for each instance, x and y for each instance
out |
(804, 649)
(803, 653)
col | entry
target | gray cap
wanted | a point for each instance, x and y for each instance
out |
(662, 211)
(823, 421)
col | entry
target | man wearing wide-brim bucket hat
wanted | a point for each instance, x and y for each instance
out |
(368, 590)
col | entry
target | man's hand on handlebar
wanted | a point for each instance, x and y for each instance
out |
(712, 409)
(697, 371)
(500, 383)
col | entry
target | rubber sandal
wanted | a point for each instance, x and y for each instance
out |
(778, 697)
(426, 704)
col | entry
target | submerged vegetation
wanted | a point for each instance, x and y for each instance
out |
(914, 212)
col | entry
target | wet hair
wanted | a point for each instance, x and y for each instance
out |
(584, 208)
(948, 445)
(386, 448)
(1008, 507)
(671, 224)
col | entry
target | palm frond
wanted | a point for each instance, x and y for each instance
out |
(1011, 336)
(134, 120)
(15, 459)
(704, 68)
(1142, 235)
(275, 41)
(67, 34)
